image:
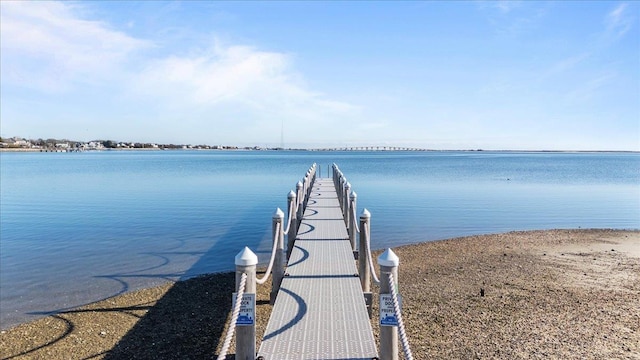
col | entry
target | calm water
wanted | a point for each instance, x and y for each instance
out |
(77, 228)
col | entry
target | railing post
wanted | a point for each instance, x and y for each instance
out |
(305, 190)
(352, 224)
(293, 231)
(343, 181)
(364, 268)
(312, 176)
(300, 207)
(315, 171)
(334, 174)
(347, 203)
(246, 262)
(278, 262)
(388, 262)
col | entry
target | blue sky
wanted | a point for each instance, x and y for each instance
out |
(438, 75)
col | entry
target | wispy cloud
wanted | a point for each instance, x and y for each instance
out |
(46, 46)
(502, 6)
(506, 6)
(262, 82)
(591, 88)
(512, 18)
(618, 21)
(214, 75)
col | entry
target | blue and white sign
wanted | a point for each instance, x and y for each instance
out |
(247, 314)
(387, 313)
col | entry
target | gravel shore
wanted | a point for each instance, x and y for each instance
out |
(562, 294)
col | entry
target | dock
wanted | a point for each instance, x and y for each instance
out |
(321, 299)
(320, 310)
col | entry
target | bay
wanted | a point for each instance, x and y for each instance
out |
(80, 227)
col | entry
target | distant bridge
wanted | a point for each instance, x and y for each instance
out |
(372, 148)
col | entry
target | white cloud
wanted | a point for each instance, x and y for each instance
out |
(618, 21)
(506, 6)
(569, 63)
(512, 19)
(503, 6)
(223, 81)
(590, 89)
(45, 45)
(216, 75)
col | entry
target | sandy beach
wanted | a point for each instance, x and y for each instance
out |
(562, 294)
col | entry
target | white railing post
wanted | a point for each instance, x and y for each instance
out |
(246, 262)
(293, 231)
(364, 269)
(388, 262)
(343, 182)
(315, 171)
(352, 223)
(300, 207)
(305, 189)
(311, 172)
(305, 186)
(334, 174)
(347, 202)
(278, 262)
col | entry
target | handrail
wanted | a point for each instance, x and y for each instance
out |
(273, 257)
(293, 206)
(290, 217)
(354, 216)
(376, 280)
(396, 309)
(234, 318)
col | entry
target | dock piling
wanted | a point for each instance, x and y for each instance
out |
(293, 228)
(279, 261)
(299, 207)
(352, 223)
(388, 262)
(364, 268)
(246, 262)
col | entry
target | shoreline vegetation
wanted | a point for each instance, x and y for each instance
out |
(570, 294)
(17, 144)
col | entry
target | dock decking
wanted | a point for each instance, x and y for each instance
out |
(320, 311)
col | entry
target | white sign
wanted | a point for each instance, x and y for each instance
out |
(387, 313)
(247, 315)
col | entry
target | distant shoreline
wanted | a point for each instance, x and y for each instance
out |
(21, 150)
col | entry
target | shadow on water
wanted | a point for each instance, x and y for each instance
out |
(187, 322)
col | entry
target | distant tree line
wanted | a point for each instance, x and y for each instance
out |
(50, 143)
